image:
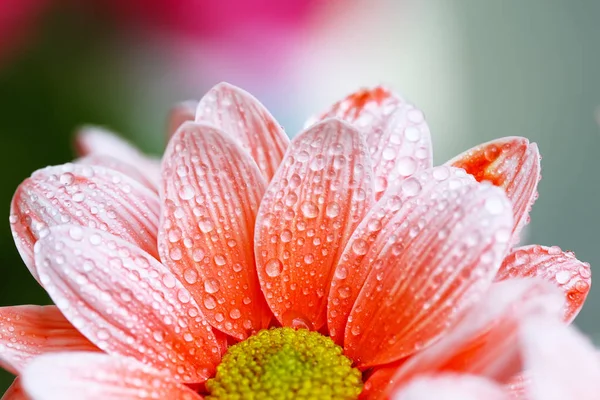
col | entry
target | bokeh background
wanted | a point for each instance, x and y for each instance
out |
(479, 70)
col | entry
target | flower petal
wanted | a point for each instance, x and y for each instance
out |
(180, 113)
(110, 162)
(396, 133)
(371, 237)
(91, 376)
(486, 341)
(15, 392)
(88, 196)
(572, 276)
(97, 140)
(451, 387)
(438, 243)
(28, 331)
(561, 362)
(511, 163)
(126, 302)
(211, 193)
(517, 386)
(248, 122)
(313, 204)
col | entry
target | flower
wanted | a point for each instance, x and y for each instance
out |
(346, 242)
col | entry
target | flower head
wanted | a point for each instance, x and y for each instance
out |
(249, 266)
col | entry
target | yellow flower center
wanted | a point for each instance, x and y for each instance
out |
(284, 363)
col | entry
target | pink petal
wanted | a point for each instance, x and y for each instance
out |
(434, 248)
(562, 363)
(572, 276)
(84, 195)
(110, 162)
(180, 113)
(211, 193)
(511, 163)
(486, 341)
(97, 140)
(90, 376)
(451, 387)
(396, 133)
(248, 122)
(15, 392)
(517, 387)
(370, 238)
(126, 302)
(28, 331)
(315, 201)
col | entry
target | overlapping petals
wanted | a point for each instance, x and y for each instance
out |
(76, 376)
(126, 302)
(86, 195)
(28, 331)
(396, 134)
(316, 199)
(347, 229)
(210, 193)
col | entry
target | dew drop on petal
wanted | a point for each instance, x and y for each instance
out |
(273, 267)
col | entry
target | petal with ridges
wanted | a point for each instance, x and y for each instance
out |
(486, 341)
(89, 376)
(369, 240)
(511, 163)
(110, 162)
(451, 387)
(396, 133)
(181, 112)
(28, 331)
(562, 363)
(572, 276)
(15, 392)
(247, 121)
(87, 195)
(126, 302)
(97, 140)
(434, 258)
(315, 201)
(211, 193)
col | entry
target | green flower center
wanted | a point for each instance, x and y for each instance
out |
(284, 363)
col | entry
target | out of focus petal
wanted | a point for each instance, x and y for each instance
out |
(97, 140)
(435, 256)
(126, 302)
(396, 133)
(28, 331)
(451, 387)
(313, 204)
(86, 195)
(89, 376)
(511, 163)
(562, 363)
(211, 193)
(561, 268)
(15, 392)
(247, 121)
(110, 162)
(486, 341)
(181, 112)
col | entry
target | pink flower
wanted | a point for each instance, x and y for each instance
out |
(162, 275)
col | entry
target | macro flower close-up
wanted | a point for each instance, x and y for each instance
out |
(340, 264)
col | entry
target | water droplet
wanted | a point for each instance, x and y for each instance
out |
(412, 134)
(76, 233)
(389, 153)
(303, 156)
(206, 225)
(67, 178)
(406, 166)
(286, 236)
(210, 303)
(494, 205)
(317, 163)
(411, 187)
(441, 173)
(235, 313)
(211, 286)
(198, 254)
(309, 209)
(360, 247)
(220, 259)
(273, 267)
(562, 277)
(186, 192)
(190, 275)
(491, 152)
(332, 210)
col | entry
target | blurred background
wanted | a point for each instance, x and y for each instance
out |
(478, 69)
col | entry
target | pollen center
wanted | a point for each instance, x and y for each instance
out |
(284, 363)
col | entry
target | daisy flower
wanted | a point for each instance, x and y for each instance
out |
(245, 266)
